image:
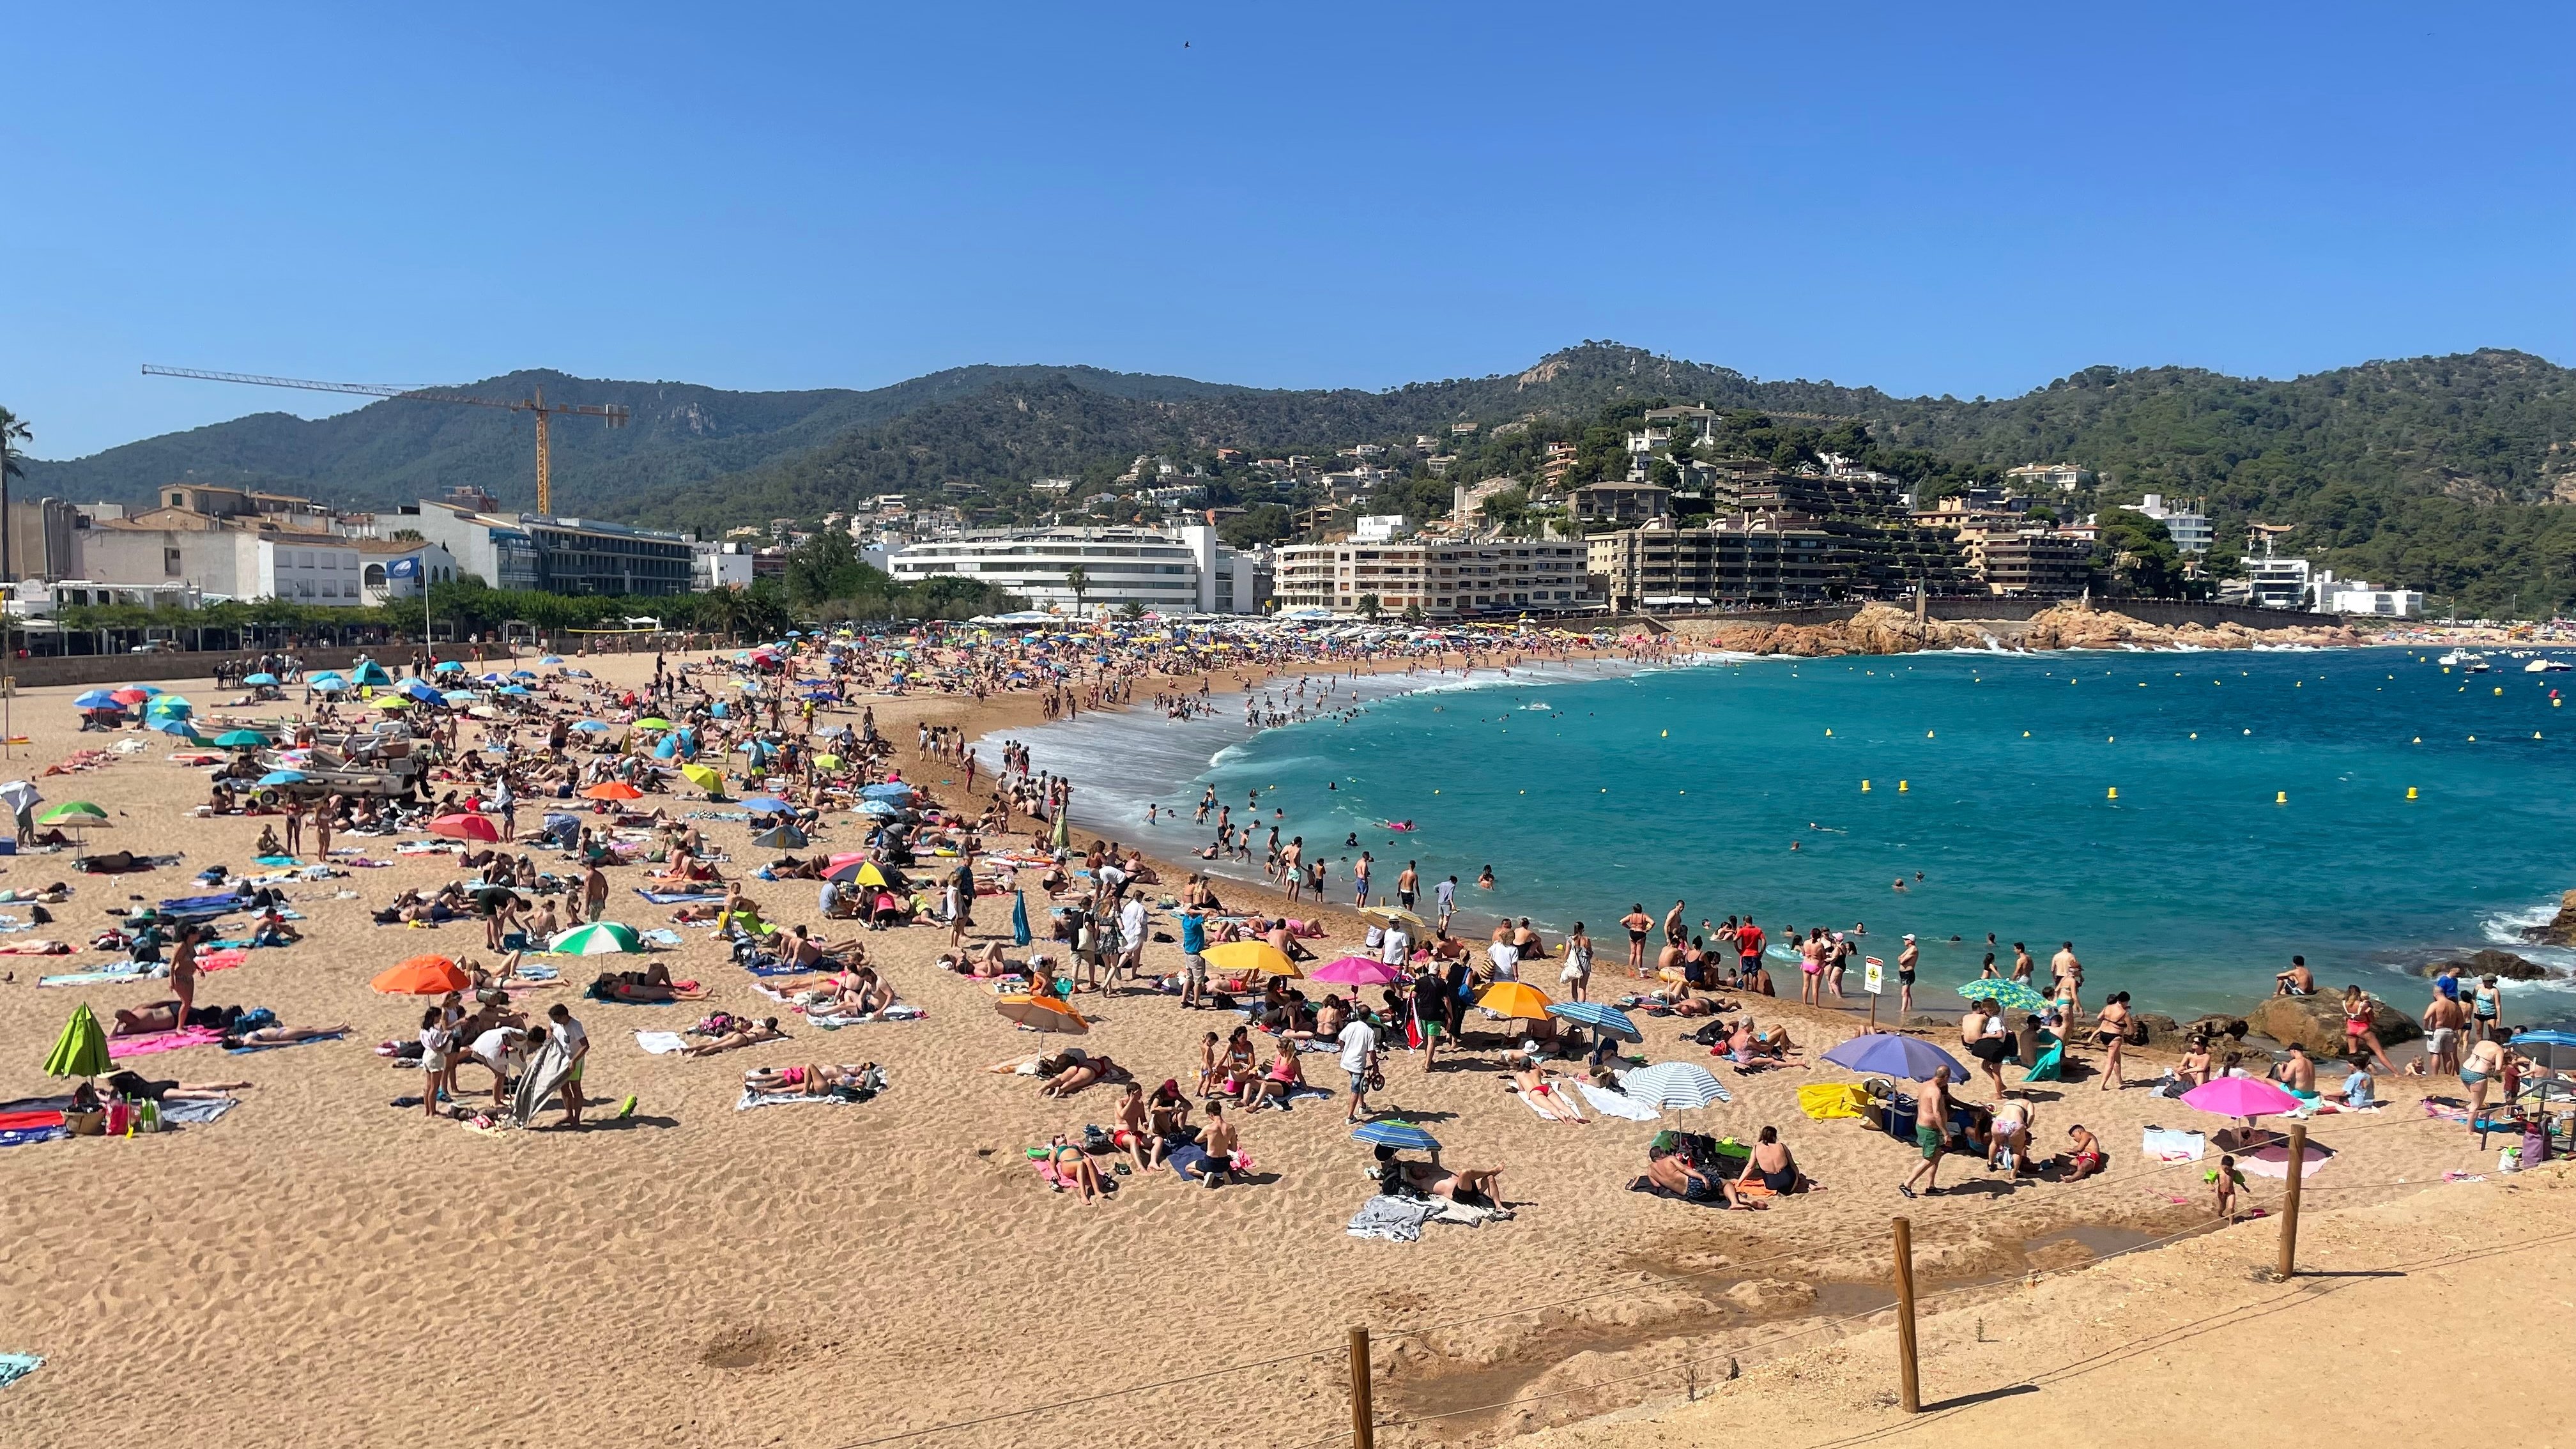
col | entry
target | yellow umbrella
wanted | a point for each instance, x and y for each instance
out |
(1516, 999)
(1258, 956)
(705, 777)
(1390, 915)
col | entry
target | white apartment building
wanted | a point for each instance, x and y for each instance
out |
(2189, 530)
(2048, 478)
(305, 568)
(1176, 571)
(1446, 578)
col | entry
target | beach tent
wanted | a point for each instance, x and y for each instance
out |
(422, 976)
(81, 1049)
(370, 674)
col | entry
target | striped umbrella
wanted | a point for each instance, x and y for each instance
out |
(1593, 1014)
(1674, 1084)
(2005, 992)
(600, 938)
(1403, 1136)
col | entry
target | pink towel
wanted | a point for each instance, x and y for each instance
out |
(121, 1047)
(221, 960)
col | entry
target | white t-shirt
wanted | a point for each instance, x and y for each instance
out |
(1507, 960)
(494, 1046)
(1131, 923)
(1358, 1040)
(569, 1032)
(1398, 948)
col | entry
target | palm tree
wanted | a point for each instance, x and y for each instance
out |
(1078, 580)
(13, 429)
(732, 610)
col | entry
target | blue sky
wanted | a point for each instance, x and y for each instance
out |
(1929, 199)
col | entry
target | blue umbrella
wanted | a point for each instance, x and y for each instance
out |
(893, 790)
(263, 677)
(333, 685)
(282, 777)
(668, 749)
(327, 676)
(718, 709)
(460, 696)
(447, 666)
(557, 820)
(489, 676)
(2552, 1042)
(551, 659)
(172, 725)
(1400, 1135)
(420, 689)
(879, 809)
(1019, 918)
(523, 674)
(591, 727)
(767, 805)
(513, 690)
(1601, 1018)
(1897, 1056)
(97, 699)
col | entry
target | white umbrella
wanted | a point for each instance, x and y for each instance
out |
(19, 795)
(1674, 1084)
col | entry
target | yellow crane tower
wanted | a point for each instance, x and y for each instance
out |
(536, 404)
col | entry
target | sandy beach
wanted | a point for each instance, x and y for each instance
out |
(320, 1267)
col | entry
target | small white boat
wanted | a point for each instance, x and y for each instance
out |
(2547, 666)
(2456, 656)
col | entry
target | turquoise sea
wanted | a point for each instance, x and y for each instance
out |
(2261, 810)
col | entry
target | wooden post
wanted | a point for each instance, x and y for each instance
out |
(2290, 1206)
(1363, 1418)
(1909, 1383)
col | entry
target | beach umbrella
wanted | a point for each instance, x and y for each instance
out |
(333, 685)
(81, 1050)
(2245, 1098)
(2551, 1043)
(827, 762)
(1355, 971)
(599, 938)
(1516, 999)
(1251, 956)
(460, 696)
(890, 790)
(74, 813)
(551, 659)
(1893, 1055)
(1674, 1084)
(263, 677)
(462, 826)
(422, 976)
(768, 805)
(2005, 992)
(1019, 918)
(1041, 1013)
(878, 809)
(419, 689)
(1393, 916)
(783, 837)
(178, 728)
(652, 722)
(447, 666)
(705, 777)
(612, 790)
(857, 869)
(1395, 1133)
(169, 706)
(393, 704)
(282, 777)
(20, 795)
(131, 695)
(592, 727)
(523, 674)
(1606, 1019)
(242, 740)
(97, 699)
(515, 691)
(326, 677)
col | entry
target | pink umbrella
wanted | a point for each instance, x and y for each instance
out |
(1355, 971)
(2243, 1097)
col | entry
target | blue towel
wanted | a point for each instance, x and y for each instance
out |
(20, 1137)
(16, 1366)
(679, 898)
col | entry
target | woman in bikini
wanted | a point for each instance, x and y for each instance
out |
(2358, 1033)
(1772, 1166)
(2111, 1033)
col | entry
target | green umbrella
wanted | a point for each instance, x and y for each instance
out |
(81, 1051)
(73, 812)
(242, 740)
(2005, 992)
(602, 938)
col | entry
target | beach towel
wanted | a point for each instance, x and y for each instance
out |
(274, 1046)
(102, 978)
(662, 1043)
(680, 898)
(16, 1366)
(197, 1111)
(1824, 1101)
(663, 936)
(149, 1043)
(222, 960)
(751, 1099)
(2163, 1145)
(2446, 1111)
(1618, 1104)
(1395, 1219)
(2049, 1065)
(22, 1136)
(30, 1121)
(900, 1011)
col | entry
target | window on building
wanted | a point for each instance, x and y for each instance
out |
(170, 562)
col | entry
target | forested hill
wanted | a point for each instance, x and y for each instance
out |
(2450, 474)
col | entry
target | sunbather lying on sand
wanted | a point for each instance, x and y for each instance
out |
(1434, 1180)
(740, 1037)
(284, 1035)
(812, 1080)
(1067, 1165)
(1547, 1092)
(649, 985)
(1079, 1074)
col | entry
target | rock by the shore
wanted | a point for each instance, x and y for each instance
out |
(2561, 930)
(2316, 1022)
(2502, 965)
(1884, 629)
(2160, 1029)
(2214, 1027)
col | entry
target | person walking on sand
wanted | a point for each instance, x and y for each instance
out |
(1637, 923)
(2111, 1033)
(1359, 1062)
(1578, 963)
(1408, 885)
(1906, 961)
(594, 891)
(1931, 1128)
(2066, 977)
(576, 1040)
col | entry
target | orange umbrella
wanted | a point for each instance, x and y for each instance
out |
(1516, 999)
(612, 790)
(422, 976)
(1041, 1013)
(461, 826)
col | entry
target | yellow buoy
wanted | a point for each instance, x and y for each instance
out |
(2410, 792)
(2025, 734)
(1901, 787)
(2446, 669)
(1668, 734)
(2419, 739)
(2195, 734)
(1829, 733)
(1864, 787)
(2114, 795)
(2553, 704)
(2110, 739)
(2499, 689)
(1927, 734)
(2473, 739)
(2280, 797)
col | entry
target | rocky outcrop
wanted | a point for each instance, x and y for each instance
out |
(1876, 629)
(2502, 965)
(1884, 629)
(2561, 930)
(2075, 626)
(2316, 1022)
(2214, 1027)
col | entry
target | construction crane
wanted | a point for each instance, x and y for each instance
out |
(535, 403)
